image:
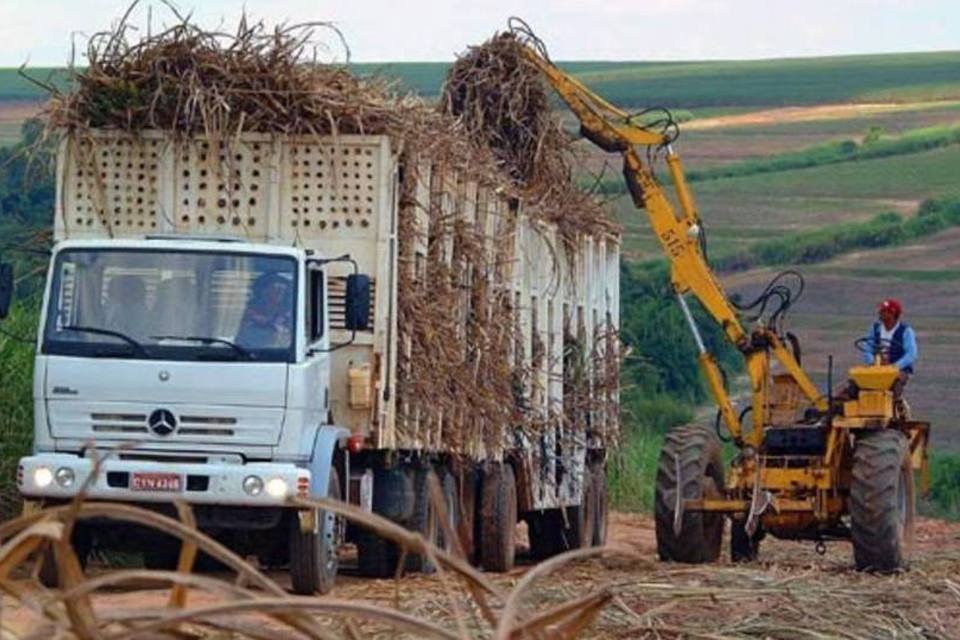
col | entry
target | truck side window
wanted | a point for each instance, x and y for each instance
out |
(315, 301)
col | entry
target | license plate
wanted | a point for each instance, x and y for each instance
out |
(170, 482)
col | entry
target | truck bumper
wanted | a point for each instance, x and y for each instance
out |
(63, 476)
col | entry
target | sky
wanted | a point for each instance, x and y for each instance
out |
(40, 32)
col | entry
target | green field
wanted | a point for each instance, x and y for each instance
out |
(886, 77)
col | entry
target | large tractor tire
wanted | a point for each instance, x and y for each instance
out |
(313, 555)
(882, 501)
(691, 466)
(498, 518)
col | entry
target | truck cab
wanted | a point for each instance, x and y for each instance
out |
(189, 369)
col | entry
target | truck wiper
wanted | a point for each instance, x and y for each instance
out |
(139, 348)
(243, 353)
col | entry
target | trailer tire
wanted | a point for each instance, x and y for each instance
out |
(696, 450)
(313, 556)
(601, 509)
(882, 501)
(162, 555)
(498, 518)
(424, 520)
(448, 485)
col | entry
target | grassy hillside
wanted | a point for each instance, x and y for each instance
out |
(886, 77)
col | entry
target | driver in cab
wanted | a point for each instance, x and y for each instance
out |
(267, 321)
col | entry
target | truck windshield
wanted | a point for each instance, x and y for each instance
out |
(171, 305)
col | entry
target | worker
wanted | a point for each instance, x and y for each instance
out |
(267, 322)
(894, 341)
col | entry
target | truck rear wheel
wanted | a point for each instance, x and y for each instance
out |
(424, 521)
(882, 501)
(601, 511)
(498, 517)
(690, 468)
(313, 555)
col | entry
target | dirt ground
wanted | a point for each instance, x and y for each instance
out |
(791, 592)
(807, 114)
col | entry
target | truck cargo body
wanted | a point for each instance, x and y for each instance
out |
(311, 201)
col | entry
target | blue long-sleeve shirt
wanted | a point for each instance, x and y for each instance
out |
(909, 348)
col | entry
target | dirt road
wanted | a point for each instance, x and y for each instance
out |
(792, 592)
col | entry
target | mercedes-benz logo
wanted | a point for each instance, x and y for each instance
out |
(164, 376)
(162, 422)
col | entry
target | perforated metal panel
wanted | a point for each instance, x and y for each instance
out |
(221, 188)
(331, 188)
(112, 182)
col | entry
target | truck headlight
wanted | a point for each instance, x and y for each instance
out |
(65, 477)
(42, 477)
(277, 488)
(253, 485)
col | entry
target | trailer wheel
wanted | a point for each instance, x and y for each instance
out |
(601, 512)
(448, 485)
(498, 518)
(313, 555)
(743, 546)
(49, 575)
(377, 557)
(882, 501)
(424, 521)
(694, 451)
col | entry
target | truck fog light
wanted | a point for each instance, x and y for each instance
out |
(253, 485)
(42, 477)
(65, 477)
(277, 488)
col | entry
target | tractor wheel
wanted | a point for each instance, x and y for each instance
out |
(313, 556)
(743, 546)
(690, 468)
(498, 518)
(601, 506)
(882, 501)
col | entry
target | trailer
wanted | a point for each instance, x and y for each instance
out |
(155, 374)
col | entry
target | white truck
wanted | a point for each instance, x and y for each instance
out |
(219, 327)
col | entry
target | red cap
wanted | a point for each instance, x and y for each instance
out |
(892, 305)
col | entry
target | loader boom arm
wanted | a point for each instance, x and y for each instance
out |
(614, 130)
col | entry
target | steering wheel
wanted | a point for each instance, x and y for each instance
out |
(871, 346)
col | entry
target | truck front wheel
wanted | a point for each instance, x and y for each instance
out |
(313, 555)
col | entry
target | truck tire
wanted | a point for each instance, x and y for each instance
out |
(696, 451)
(451, 501)
(313, 555)
(544, 529)
(424, 521)
(49, 575)
(498, 518)
(377, 557)
(882, 501)
(601, 512)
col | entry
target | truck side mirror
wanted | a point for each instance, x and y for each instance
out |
(357, 311)
(6, 289)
